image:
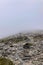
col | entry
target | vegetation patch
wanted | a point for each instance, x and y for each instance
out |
(38, 36)
(14, 39)
(4, 61)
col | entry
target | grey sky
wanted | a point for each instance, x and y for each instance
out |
(20, 15)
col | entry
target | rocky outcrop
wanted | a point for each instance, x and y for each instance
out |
(23, 53)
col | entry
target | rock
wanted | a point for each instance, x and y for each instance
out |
(27, 46)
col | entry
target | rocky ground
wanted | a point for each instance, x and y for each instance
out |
(27, 52)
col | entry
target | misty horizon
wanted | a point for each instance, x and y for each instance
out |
(20, 15)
